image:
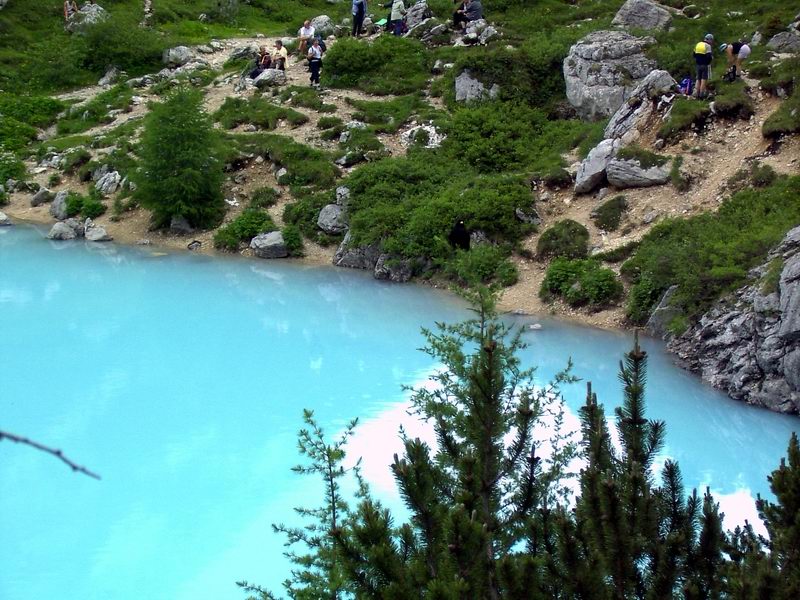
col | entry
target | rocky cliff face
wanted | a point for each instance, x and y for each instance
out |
(749, 344)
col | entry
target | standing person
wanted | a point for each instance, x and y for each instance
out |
(315, 61)
(279, 56)
(737, 53)
(359, 12)
(396, 18)
(703, 55)
(304, 35)
(473, 11)
(70, 8)
(459, 18)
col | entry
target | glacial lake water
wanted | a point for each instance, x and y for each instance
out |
(181, 379)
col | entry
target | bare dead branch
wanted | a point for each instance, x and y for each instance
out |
(55, 452)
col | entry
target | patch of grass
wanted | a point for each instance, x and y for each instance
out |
(608, 215)
(679, 181)
(304, 165)
(617, 255)
(11, 167)
(15, 135)
(709, 255)
(567, 238)
(389, 65)
(257, 111)
(243, 228)
(65, 143)
(483, 264)
(581, 282)
(75, 159)
(685, 115)
(782, 76)
(732, 101)
(306, 98)
(387, 116)
(772, 278)
(38, 111)
(329, 122)
(81, 117)
(264, 197)
(88, 207)
(645, 158)
(3, 198)
(678, 325)
(293, 240)
(785, 120)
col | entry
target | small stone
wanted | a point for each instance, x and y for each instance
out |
(5, 220)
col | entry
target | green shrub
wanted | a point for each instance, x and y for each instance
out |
(264, 197)
(53, 180)
(772, 278)
(785, 120)
(483, 264)
(389, 115)
(685, 114)
(566, 238)
(617, 255)
(293, 240)
(243, 228)
(329, 122)
(122, 43)
(15, 135)
(88, 207)
(678, 325)
(389, 65)
(38, 111)
(258, 111)
(303, 213)
(732, 101)
(709, 255)
(74, 159)
(3, 198)
(305, 97)
(679, 181)
(782, 77)
(79, 118)
(10, 167)
(608, 215)
(645, 158)
(581, 282)
(180, 172)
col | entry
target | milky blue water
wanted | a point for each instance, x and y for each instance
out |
(181, 380)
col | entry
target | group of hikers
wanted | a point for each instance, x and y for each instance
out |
(71, 7)
(467, 11)
(736, 52)
(309, 45)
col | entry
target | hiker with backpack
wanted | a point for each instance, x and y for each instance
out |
(737, 53)
(315, 61)
(359, 12)
(703, 55)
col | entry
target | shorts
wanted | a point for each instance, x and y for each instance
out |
(744, 52)
(702, 72)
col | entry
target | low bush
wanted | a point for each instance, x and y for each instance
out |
(304, 165)
(685, 115)
(483, 264)
(783, 76)
(389, 65)
(243, 228)
(785, 120)
(15, 135)
(293, 240)
(264, 197)
(329, 122)
(581, 282)
(618, 254)
(257, 111)
(645, 158)
(387, 116)
(76, 158)
(679, 181)
(81, 117)
(307, 98)
(303, 213)
(10, 167)
(38, 111)
(608, 215)
(709, 255)
(88, 207)
(567, 238)
(732, 101)
(122, 43)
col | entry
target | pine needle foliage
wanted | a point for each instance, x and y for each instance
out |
(180, 173)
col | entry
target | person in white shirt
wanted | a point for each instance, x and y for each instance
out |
(304, 35)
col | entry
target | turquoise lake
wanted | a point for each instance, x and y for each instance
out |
(181, 379)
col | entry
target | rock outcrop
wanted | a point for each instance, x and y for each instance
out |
(417, 14)
(392, 268)
(5, 221)
(88, 16)
(469, 89)
(269, 245)
(323, 25)
(177, 56)
(624, 174)
(61, 231)
(58, 209)
(786, 41)
(643, 14)
(748, 345)
(332, 219)
(270, 78)
(592, 171)
(364, 257)
(626, 123)
(602, 70)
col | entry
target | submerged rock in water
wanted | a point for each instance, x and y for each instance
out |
(61, 231)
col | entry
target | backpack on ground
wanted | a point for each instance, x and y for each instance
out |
(686, 86)
(730, 76)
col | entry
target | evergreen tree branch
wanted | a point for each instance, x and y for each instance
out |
(53, 451)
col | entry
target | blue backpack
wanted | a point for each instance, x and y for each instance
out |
(686, 86)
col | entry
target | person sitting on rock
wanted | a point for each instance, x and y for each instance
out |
(304, 35)
(459, 18)
(263, 62)
(737, 53)
(703, 55)
(70, 8)
(279, 56)
(473, 10)
(315, 61)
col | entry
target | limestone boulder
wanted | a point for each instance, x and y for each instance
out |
(61, 231)
(177, 56)
(630, 174)
(355, 257)
(269, 245)
(602, 70)
(470, 89)
(628, 120)
(250, 51)
(85, 18)
(391, 268)
(109, 183)
(270, 78)
(332, 219)
(785, 42)
(41, 197)
(58, 209)
(592, 171)
(323, 25)
(76, 226)
(417, 13)
(643, 14)
(95, 233)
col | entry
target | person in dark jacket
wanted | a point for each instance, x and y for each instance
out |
(459, 18)
(474, 10)
(459, 236)
(263, 62)
(703, 55)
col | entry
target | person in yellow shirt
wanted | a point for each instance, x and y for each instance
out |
(279, 56)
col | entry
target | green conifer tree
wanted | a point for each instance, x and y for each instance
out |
(180, 173)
